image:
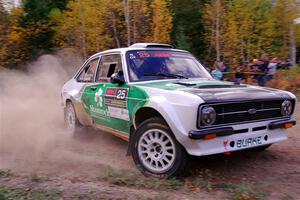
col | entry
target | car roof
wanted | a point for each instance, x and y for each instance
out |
(140, 46)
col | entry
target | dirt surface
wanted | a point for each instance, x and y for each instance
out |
(33, 143)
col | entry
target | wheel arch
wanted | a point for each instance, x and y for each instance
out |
(81, 114)
(145, 113)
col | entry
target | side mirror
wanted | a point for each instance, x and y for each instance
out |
(117, 78)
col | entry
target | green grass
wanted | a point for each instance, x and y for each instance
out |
(5, 173)
(243, 191)
(36, 178)
(287, 197)
(290, 74)
(135, 179)
(10, 193)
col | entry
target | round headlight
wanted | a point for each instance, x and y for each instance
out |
(286, 108)
(208, 115)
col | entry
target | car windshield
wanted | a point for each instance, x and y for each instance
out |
(145, 65)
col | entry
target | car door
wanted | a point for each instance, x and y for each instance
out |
(108, 101)
(85, 78)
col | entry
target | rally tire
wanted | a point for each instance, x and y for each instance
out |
(155, 150)
(72, 123)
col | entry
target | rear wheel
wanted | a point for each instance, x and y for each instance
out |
(71, 122)
(156, 151)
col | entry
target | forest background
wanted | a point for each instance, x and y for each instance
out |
(233, 31)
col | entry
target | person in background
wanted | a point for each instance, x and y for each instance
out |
(288, 64)
(216, 72)
(264, 59)
(272, 68)
(208, 69)
(254, 71)
(264, 63)
(239, 76)
(258, 71)
(223, 69)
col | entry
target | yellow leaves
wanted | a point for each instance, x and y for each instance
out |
(162, 21)
(83, 27)
(55, 15)
(247, 28)
(91, 26)
(14, 36)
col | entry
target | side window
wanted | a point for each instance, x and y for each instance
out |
(109, 64)
(89, 71)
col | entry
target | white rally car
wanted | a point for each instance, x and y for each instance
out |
(165, 103)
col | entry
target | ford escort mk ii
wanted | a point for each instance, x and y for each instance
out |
(166, 105)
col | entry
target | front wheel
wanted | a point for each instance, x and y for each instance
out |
(156, 151)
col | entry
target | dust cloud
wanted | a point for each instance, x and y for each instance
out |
(32, 134)
(31, 116)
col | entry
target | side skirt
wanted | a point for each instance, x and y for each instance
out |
(112, 131)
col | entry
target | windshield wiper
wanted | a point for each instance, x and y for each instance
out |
(167, 75)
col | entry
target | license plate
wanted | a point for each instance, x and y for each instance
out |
(249, 142)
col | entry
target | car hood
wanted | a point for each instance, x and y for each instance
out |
(211, 90)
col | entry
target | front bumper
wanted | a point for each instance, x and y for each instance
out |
(237, 137)
(224, 131)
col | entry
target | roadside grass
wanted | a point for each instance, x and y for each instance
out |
(199, 182)
(287, 197)
(290, 74)
(135, 179)
(5, 173)
(243, 191)
(36, 178)
(88, 196)
(8, 193)
(157, 197)
(287, 80)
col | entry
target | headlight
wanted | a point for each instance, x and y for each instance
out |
(286, 108)
(208, 115)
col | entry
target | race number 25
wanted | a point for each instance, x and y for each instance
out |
(121, 94)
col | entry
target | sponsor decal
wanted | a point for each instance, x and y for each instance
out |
(97, 110)
(248, 142)
(162, 55)
(116, 97)
(116, 103)
(144, 54)
(98, 98)
(132, 56)
(225, 143)
(119, 113)
(111, 91)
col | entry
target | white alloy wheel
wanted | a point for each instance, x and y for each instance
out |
(156, 150)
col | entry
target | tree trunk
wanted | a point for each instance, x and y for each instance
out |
(292, 45)
(114, 24)
(127, 19)
(82, 28)
(218, 5)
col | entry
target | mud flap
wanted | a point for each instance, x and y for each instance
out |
(130, 142)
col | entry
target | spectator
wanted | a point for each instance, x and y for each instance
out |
(217, 73)
(259, 70)
(272, 68)
(239, 76)
(264, 59)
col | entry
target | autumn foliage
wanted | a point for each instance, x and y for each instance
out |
(287, 80)
(228, 30)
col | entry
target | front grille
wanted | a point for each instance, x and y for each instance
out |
(238, 112)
